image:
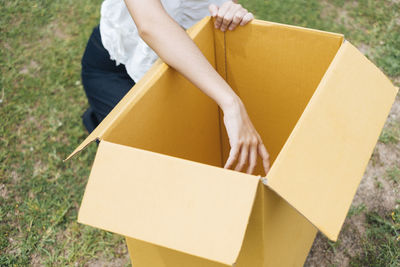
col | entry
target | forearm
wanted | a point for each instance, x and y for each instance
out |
(176, 49)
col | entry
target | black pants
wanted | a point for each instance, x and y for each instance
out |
(105, 83)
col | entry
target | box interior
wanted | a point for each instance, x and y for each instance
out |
(275, 70)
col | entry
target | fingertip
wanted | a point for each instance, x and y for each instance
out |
(245, 22)
(227, 164)
(213, 10)
(249, 17)
(250, 170)
(266, 169)
(239, 167)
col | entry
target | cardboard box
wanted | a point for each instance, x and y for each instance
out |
(319, 106)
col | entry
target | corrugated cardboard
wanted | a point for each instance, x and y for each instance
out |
(319, 106)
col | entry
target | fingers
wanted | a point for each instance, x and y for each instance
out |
(213, 10)
(252, 159)
(221, 14)
(244, 152)
(233, 155)
(237, 18)
(230, 15)
(262, 151)
(246, 19)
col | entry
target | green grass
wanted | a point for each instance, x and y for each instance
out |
(356, 210)
(41, 44)
(381, 242)
(393, 174)
(390, 134)
(371, 24)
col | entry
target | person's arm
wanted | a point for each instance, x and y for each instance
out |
(174, 47)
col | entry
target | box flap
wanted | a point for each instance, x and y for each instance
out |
(321, 164)
(129, 99)
(283, 66)
(134, 94)
(179, 204)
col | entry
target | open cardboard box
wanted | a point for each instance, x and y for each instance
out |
(319, 106)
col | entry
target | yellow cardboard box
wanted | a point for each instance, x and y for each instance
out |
(319, 106)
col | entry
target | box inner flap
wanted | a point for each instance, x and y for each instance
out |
(183, 205)
(323, 161)
(198, 33)
(275, 70)
(174, 117)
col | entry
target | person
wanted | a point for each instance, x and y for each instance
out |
(133, 33)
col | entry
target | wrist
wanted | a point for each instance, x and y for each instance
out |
(231, 104)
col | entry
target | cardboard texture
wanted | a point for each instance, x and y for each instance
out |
(319, 106)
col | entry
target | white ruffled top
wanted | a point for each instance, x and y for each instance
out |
(120, 37)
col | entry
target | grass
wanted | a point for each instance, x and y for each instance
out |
(41, 46)
(393, 174)
(41, 43)
(356, 210)
(369, 24)
(390, 134)
(381, 242)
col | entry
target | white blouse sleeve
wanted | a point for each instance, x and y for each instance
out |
(121, 39)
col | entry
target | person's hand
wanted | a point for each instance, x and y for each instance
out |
(245, 142)
(229, 15)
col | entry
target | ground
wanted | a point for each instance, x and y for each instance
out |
(41, 100)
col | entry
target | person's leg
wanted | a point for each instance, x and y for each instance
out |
(105, 83)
